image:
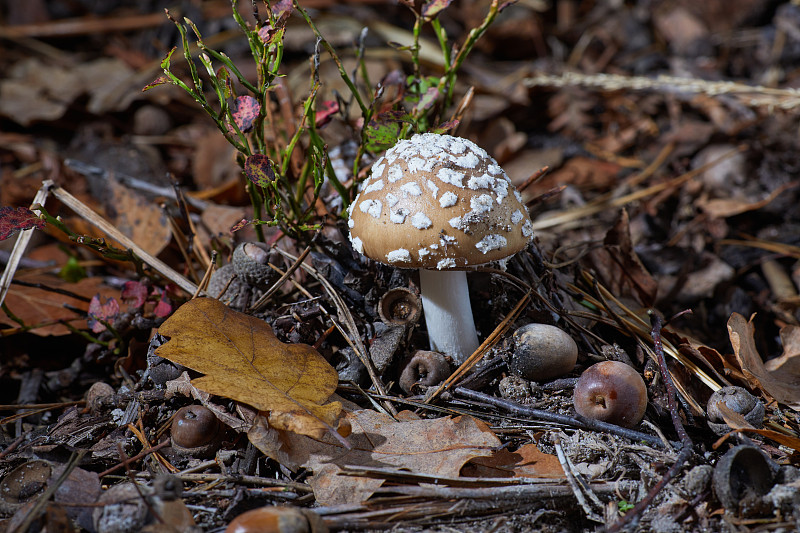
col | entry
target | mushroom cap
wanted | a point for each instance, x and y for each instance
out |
(438, 202)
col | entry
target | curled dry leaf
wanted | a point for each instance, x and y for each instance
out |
(780, 378)
(244, 361)
(437, 447)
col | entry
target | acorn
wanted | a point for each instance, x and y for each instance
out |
(196, 431)
(95, 395)
(738, 400)
(539, 352)
(277, 519)
(251, 263)
(612, 392)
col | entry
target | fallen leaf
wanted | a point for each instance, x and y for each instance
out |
(14, 220)
(527, 461)
(437, 447)
(782, 383)
(619, 267)
(34, 306)
(102, 312)
(244, 361)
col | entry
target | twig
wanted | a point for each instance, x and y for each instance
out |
(129, 460)
(632, 517)
(103, 225)
(22, 242)
(490, 341)
(556, 418)
(571, 476)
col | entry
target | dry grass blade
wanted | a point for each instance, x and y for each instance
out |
(750, 95)
(490, 341)
(103, 225)
(605, 203)
(633, 325)
(22, 243)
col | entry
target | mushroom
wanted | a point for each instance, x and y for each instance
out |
(440, 204)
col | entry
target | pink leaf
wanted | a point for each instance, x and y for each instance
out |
(106, 312)
(14, 220)
(134, 293)
(245, 111)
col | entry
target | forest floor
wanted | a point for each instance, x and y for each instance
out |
(655, 145)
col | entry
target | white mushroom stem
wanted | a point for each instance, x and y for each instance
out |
(448, 314)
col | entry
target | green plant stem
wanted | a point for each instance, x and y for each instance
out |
(333, 54)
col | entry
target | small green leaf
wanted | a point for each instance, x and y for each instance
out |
(224, 78)
(166, 61)
(383, 131)
(259, 169)
(72, 271)
(624, 506)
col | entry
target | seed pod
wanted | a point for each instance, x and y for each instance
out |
(540, 352)
(277, 519)
(737, 400)
(251, 263)
(612, 392)
(196, 431)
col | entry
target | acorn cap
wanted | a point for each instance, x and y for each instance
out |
(438, 202)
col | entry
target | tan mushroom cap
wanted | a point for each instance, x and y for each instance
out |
(438, 202)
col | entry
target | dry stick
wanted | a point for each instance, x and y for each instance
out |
(261, 303)
(126, 462)
(103, 225)
(556, 418)
(632, 517)
(19, 247)
(212, 263)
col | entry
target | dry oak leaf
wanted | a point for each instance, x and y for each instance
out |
(244, 361)
(438, 447)
(779, 378)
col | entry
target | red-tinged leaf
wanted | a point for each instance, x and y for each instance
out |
(105, 312)
(14, 220)
(505, 5)
(444, 127)
(383, 130)
(326, 110)
(134, 293)
(434, 7)
(241, 224)
(163, 308)
(258, 169)
(282, 8)
(245, 111)
(428, 98)
(161, 80)
(224, 78)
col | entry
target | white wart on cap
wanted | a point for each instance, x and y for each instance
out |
(438, 202)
